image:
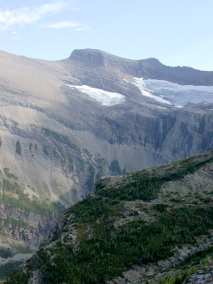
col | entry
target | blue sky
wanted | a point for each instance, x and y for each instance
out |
(178, 32)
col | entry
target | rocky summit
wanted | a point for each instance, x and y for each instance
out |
(154, 226)
(65, 124)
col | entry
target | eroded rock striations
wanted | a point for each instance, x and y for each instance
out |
(65, 124)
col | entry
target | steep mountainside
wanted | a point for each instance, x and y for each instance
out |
(65, 124)
(24, 221)
(153, 226)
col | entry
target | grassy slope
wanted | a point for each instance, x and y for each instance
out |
(138, 219)
(20, 214)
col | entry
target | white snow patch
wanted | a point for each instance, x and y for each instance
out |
(172, 93)
(103, 97)
(140, 83)
(181, 95)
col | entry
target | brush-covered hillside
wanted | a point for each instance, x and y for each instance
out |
(153, 226)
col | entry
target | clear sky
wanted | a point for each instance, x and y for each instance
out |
(178, 32)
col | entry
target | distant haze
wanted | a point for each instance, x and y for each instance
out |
(176, 32)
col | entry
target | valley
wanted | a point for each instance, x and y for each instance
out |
(153, 226)
(65, 124)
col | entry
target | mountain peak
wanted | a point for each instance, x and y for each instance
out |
(152, 61)
(87, 51)
(89, 56)
(99, 56)
(150, 68)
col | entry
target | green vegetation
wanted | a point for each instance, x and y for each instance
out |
(21, 213)
(104, 246)
(12, 194)
(91, 209)
(18, 277)
(146, 185)
(9, 174)
(8, 268)
(177, 278)
(22, 202)
(198, 262)
(110, 252)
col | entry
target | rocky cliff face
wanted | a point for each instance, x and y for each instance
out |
(24, 221)
(150, 68)
(153, 226)
(65, 124)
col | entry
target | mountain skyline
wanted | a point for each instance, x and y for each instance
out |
(63, 25)
(151, 59)
(106, 142)
(65, 124)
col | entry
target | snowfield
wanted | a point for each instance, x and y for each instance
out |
(141, 84)
(173, 94)
(162, 92)
(103, 97)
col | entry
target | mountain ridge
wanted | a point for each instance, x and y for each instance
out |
(151, 226)
(104, 53)
(147, 68)
(65, 124)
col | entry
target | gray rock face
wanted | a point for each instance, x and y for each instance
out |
(202, 277)
(150, 68)
(62, 125)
